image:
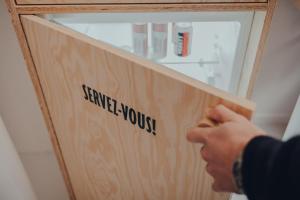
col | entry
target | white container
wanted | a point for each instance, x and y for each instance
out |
(183, 39)
(140, 39)
(173, 32)
(159, 40)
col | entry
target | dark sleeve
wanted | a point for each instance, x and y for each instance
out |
(271, 169)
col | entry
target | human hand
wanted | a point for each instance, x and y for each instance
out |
(223, 144)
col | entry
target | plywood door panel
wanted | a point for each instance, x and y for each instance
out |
(107, 156)
(129, 1)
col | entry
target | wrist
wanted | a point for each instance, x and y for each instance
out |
(237, 173)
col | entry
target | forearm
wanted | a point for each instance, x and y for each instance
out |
(271, 169)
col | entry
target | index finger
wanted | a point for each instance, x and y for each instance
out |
(222, 114)
(198, 134)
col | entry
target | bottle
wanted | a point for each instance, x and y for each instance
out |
(159, 40)
(140, 39)
(173, 32)
(183, 38)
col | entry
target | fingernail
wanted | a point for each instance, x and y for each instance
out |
(208, 111)
(211, 112)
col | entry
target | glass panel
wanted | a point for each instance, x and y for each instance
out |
(207, 46)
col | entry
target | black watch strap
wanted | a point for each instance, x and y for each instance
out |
(237, 173)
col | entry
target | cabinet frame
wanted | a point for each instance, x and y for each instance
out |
(16, 10)
(61, 2)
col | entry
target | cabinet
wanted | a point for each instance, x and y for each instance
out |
(119, 92)
(217, 46)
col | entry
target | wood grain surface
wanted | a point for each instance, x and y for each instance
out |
(111, 8)
(128, 1)
(106, 156)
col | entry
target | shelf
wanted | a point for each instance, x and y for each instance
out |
(218, 44)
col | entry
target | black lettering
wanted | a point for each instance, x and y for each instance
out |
(148, 120)
(141, 120)
(96, 99)
(144, 122)
(108, 100)
(132, 116)
(124, 111)
(102, 100)
(85, 93)
(153, 126)
(90, 94)
(115, 106)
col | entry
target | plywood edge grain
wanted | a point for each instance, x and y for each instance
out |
(257, 65)
(39, 93)
(44, 9)
(62, 2)
(8, 5)
(297, 3)
(250, 106)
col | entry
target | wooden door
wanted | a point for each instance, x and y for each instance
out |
(120, 120)
(131, 1)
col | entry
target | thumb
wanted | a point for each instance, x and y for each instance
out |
(222, 114)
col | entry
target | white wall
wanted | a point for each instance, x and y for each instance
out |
(293, 128)
(278, 84)
(12, 172)
(23, 118)
(275, 93)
